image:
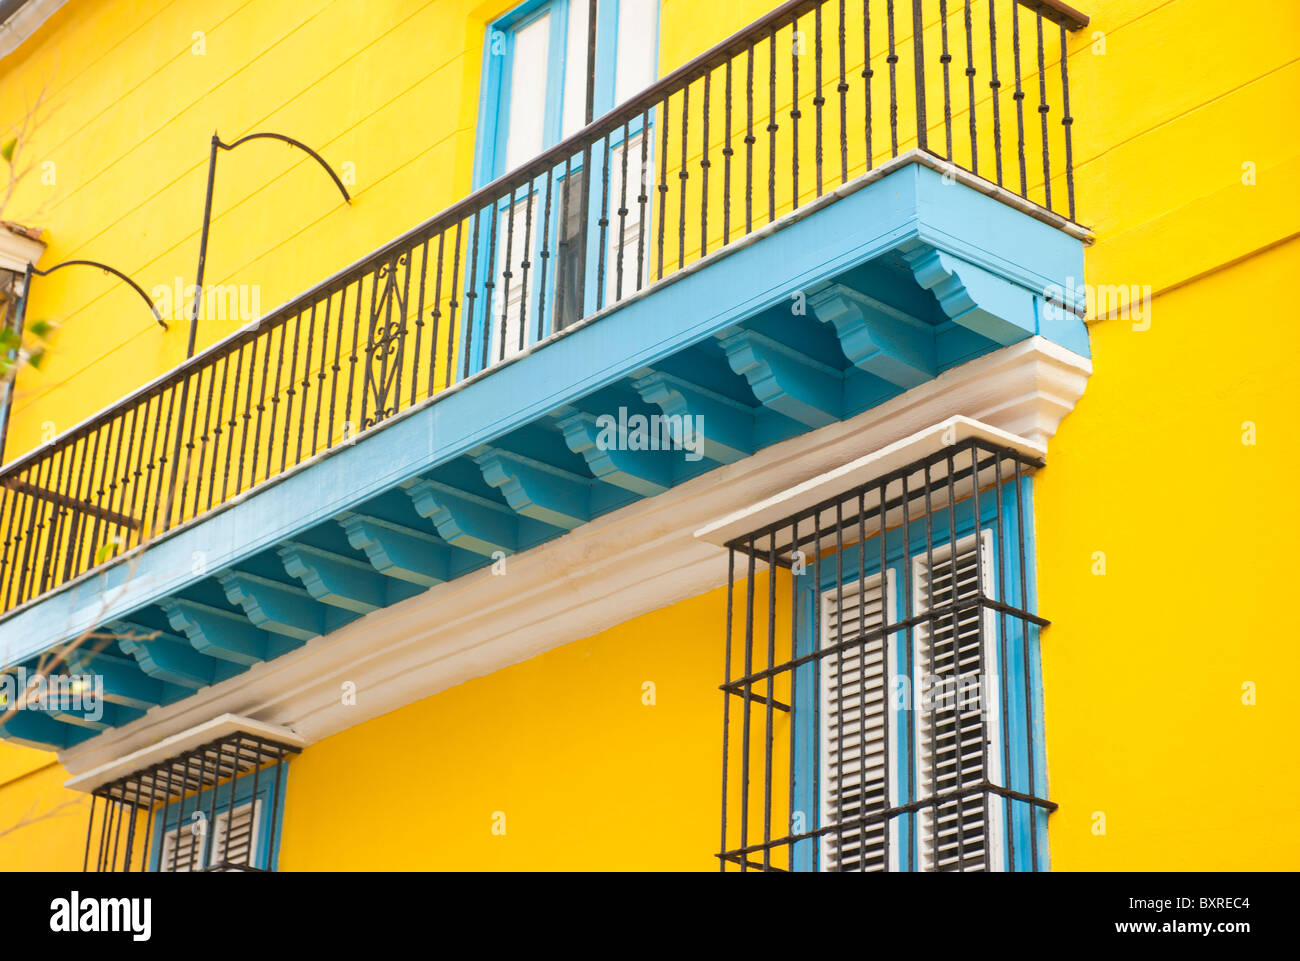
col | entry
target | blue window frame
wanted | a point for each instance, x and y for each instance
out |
(574, 276)
(906, 554)
(506, 40)
(195, 826)
(626, 46)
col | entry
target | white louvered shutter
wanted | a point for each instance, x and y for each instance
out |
(242, 824)
(949, 748)
(182, 848)
(853, 781)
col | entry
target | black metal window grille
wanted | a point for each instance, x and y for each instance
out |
(803, 100)
(881, 694)
(213, 808)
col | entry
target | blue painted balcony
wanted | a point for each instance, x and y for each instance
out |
(686, 282)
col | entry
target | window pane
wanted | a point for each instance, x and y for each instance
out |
(528, 92)
(636, 47)
(575, 70)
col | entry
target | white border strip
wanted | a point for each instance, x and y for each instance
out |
(30, 17)
(186, 740)
(875, 465)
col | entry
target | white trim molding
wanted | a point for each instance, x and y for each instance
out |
(639, 559)
(19, 246)
(178, 744)
(29, 18)
(865, 469)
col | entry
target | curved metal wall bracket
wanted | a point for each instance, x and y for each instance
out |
(33, 271)
(219, 144)
(271, 135)
(20, 320)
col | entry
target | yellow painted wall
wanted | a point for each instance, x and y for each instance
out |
(1175, 103)
(42, 824)
(586, 774)
(1144, 664)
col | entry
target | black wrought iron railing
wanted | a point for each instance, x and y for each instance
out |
(804, 100)
(215, 807)
(891, 723)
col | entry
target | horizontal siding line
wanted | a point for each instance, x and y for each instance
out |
(90, 65)
(88, 181)
(67, 139)
(149, 330)
(230, 76)
(258, 123)
(45, 766)
(1210, 271)
(74, 312)
(1079, 165)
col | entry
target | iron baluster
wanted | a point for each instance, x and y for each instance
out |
(1019, 98)
(1042, 113)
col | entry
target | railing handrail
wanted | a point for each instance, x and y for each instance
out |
(513, 264)
(476, 199)
(1058, 12)
(626, 111)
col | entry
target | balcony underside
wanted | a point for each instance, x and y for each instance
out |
(872, 291)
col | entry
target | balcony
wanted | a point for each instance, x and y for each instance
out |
(819, 214)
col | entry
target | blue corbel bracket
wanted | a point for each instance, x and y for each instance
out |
(463, 520)
(398, 552)
(165, 656)
(644, 472)
(90, 717)
(36, 729)
(272, 606)
(108, 716)
(536, 490)
(124, 683)
(728, 425)
(783, 379)
(974, 298)
(220, 634)
(335, 580)
(877, 337)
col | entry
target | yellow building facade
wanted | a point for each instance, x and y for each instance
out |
(1160, 553)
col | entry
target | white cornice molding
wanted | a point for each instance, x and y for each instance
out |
(177, 744)
(18, 249)
(29, 18)
(618, 567)
(867, 469)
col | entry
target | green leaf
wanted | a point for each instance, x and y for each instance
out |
(41, 329)
(105, 552)
(7, 151)
(37, 357)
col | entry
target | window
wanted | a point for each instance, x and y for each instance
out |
(186, 848)
(535, 79)
(11, 285)
(535, 74)
(853, 749)
(882, 707)
(955, 647)
(216, 807)
(209, 832)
